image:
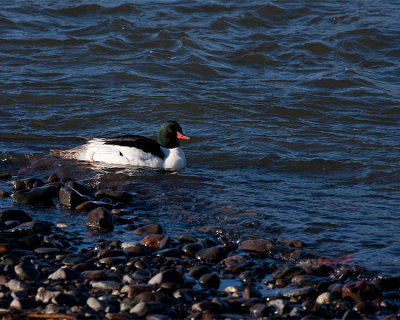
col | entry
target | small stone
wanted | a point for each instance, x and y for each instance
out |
(96, 304)
(23, 303)
(152, 241)
(192, 248)
(198, 270)
(324, 298)
(170, 275)
(212, 255)
(65, 274)
(258, 309)
(155, 316)
(100, 219)
(39, 227)
(17, 285)
(280, 306)
(206, 306)
(210, 280)
(4, 194)
(80, 187)
(45, 296)
(26, 271)
(106, 285)
(110, 261)
(134, 289)
(141, 309)
(148, 296)
(153, 228)
(290, 291)
(260, 246)
(14, 214)
(47, 251)
(235, 263)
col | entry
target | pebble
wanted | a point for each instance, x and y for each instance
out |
(211, 255)
(100, 219)
(210, 280)
(106, 285)
(70, 198)
(260, 246)
(152, 241)
(153, 228)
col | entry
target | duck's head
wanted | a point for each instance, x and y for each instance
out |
(169, 134)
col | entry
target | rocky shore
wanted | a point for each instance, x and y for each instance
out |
(45, 274)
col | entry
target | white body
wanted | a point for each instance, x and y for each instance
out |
(97, 150)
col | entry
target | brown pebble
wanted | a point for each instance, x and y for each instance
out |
(260, 246)
(152, 241)
(153, 228)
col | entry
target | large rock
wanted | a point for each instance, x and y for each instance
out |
(70, 198)
(37, 195)
(100, 219)
(13, 214)
(154, 228)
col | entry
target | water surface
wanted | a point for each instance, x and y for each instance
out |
(292, 106)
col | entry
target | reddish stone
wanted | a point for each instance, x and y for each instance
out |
(152, 241)
(360, 291)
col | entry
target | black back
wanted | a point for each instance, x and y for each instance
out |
(139, 142)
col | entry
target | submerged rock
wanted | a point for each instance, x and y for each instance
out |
(100, 219)
(36, 195)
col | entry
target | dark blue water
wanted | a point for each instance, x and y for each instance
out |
(293, 109)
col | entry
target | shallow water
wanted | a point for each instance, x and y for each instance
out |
(292, 106)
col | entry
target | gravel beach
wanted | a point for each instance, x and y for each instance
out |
(46, 274)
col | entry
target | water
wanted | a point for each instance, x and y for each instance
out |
(292, 106)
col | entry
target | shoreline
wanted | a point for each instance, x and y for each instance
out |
(44, 274)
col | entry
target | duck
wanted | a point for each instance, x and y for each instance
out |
(134, 150)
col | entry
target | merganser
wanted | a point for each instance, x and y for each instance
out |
(134, 150)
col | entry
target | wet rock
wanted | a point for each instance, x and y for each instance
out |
(13, 214)
(5, 175)
(70, 198)
(210, 280)
(47, 251)
(387, 283)
(39, 226)
(135, 249)
(141, 309)
(100, 219)
(155, 316)
(235, 263)
(94, 274)
(198, 270)
(92, 205)
(152, 241)
(212, 255)
(110, 261)
(324, 298)
(153, 228)
(360, 291)
(114, 196)
(363, 307)
(106, 285)
(37, 195)
(192, 248)
(80, 187)
(259, 246)
(170, 275)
